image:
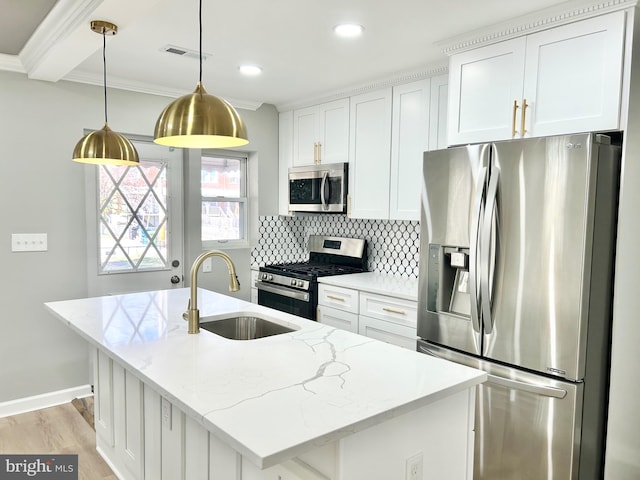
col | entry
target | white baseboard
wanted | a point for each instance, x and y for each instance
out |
(45, 400)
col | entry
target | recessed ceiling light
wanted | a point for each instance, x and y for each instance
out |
(250, 70)
(348, 30)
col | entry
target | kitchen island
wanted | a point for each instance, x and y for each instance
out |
(315, 403)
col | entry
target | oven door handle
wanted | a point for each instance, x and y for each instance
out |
(284, 291)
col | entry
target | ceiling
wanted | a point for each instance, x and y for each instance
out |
(292, 40)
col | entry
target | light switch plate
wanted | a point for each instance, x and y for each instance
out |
(29, 242)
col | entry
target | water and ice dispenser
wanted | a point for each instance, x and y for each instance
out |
(448, 280)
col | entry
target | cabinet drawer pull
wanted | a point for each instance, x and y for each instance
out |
(513, 122)
(391, 310)
(340, 299)
(524, 114)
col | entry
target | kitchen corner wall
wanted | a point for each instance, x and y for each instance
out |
(393, 245)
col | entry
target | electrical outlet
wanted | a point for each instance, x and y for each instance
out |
(206, 266)
(413, 469)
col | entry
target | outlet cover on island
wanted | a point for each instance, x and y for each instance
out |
(206, 266)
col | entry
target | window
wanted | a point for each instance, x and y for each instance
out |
(133, 217)
(224, 199)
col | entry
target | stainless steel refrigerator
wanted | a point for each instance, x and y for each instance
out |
(516, 266)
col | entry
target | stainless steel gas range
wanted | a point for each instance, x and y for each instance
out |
(293, 287)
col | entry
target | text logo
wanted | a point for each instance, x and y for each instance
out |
(50, 467)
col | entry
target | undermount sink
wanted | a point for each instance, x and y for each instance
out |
(243, 327)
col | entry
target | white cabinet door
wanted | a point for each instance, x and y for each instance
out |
(337, 318)
(321, 133)
(285, 159)
(103, 395)
(370, 155)
(409, 141)
(438, 112)
(341, 298)
(387, 332)
(128, 422)
(483, 86)
(573, 77)
(333, 131)
(305, 137)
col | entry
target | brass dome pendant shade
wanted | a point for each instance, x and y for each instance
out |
(105, 146)
(200, 120)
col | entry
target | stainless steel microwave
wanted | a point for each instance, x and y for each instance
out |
(319, 188)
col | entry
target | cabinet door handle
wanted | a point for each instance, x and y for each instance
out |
(524, 114)
(315, 152)
(513, 122)
(340, 299)
(319, 152)
(393, 310)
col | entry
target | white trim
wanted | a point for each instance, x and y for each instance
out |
(558, 15)
(397, 79)
(45, 400)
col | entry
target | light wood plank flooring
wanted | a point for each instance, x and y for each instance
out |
(55, 430)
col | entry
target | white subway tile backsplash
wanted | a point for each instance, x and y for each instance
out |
(393, 244)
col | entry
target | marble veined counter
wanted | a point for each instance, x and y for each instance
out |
(376, 282)
(272, 398)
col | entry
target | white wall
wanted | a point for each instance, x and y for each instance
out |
(42, 191)
(623, 435)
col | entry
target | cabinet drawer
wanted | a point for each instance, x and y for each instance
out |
(389, 332)
(396, 310)
(338, 297)
(338, 318)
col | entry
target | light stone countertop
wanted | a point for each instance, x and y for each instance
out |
(270, 399)
(376, 282)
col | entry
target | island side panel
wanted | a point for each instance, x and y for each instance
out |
(440, 433)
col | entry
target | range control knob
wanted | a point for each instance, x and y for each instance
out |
(293, 283)
(270, 277)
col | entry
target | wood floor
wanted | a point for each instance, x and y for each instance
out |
(55, 430)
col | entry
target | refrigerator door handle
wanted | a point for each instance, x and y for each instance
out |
(473, 251)
(534, 388)
(487, 261)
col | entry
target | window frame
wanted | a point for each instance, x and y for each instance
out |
(242, 200)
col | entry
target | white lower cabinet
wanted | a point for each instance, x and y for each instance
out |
(337, 318)
(389, 319)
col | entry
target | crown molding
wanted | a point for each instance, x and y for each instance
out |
(542, 20)
(396, 79)
(65, 17)
(11, 63)
(148, 88)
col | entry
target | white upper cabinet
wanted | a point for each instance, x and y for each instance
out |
(369, 155)
(321, 133)
(573, 77)
(438, 112)
(562, 80)
(484, 84)
(410, 139)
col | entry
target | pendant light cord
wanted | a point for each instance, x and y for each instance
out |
(104, 73)
(200, 24)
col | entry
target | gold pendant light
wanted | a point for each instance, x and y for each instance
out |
(105, 146)
(200, 120)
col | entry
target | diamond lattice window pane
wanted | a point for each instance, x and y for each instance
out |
(133, 217)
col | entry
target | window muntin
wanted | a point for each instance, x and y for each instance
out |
(224, 199)
(133, 217)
